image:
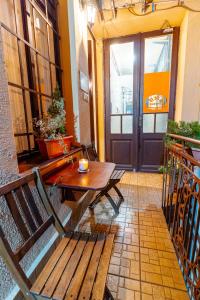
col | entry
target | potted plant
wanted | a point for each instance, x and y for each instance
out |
(50, 131)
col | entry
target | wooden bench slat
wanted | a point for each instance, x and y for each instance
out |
(44, 275)
(25, 209)
(15, 184)
(99, 286)
(31, 203)
(86, 289)
(17, 216)
(68, 273)
(55, 276)
(32, 239)
(75, 285)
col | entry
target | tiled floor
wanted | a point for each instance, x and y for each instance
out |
(143, 264)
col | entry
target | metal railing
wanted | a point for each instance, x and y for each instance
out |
(181, 206)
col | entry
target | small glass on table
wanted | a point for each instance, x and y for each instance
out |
(83, 165)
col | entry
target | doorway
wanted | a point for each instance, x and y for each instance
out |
(140, 84)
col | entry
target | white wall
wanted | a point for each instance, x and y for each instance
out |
(188, 83)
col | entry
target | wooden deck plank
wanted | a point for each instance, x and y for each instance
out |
(99, 286)
(44, 275)
(68, 273)
(75, 285)
(87, 286)
(55, 276)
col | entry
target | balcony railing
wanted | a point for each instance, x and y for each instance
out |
(181, 206)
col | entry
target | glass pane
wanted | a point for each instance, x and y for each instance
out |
(11, 57)
(158, 52)
(53, 77)
(44, 75)
(115, 124)
(127, 124)
(24, 64)
(148, 123)
(157, 74)
(17, 110)
(161, 122)
(46, 102)
(32, 141)
(28, 111)
(51, 44)
(41, 36)
(7, 14)
(21, 144)
(121, 78)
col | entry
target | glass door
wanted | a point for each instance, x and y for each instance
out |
(122, 102)
(140, 85)
(157, 97)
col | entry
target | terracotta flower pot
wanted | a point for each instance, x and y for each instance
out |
(53, 148)
(56, 148)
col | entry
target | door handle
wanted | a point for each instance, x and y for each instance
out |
(140, 120)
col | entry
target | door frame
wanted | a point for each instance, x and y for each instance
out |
(136, 78)
(172, 97)
(139, 78)
(93, 89)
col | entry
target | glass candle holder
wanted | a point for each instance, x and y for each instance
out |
(83, 164)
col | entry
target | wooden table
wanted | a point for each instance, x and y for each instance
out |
(69, 179)
(96, 179)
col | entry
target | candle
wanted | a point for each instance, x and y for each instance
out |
(83, 164)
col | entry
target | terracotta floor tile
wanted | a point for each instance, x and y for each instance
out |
(143, 265)
(125, 294)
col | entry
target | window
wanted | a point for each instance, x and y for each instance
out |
(31, 53)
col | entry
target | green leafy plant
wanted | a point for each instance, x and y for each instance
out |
(182, 128)
(187, 129)
(52, 125)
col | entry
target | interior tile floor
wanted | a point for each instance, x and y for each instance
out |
(143, 264)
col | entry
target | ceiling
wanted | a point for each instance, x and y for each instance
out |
(110, 25)
(109, 4)
(128, 24)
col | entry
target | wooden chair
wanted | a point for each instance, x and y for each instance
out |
(78, 266)
(91, 154)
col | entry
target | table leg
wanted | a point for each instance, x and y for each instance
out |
(67, 194)
(114, 206)
(96, 201)
(118, 193)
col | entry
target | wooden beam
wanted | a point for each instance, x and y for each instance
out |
(114, 9)
(99, 4)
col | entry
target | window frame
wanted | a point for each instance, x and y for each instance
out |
(48, 12)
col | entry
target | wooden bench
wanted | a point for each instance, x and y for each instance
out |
(91, 154)
(78, 266)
